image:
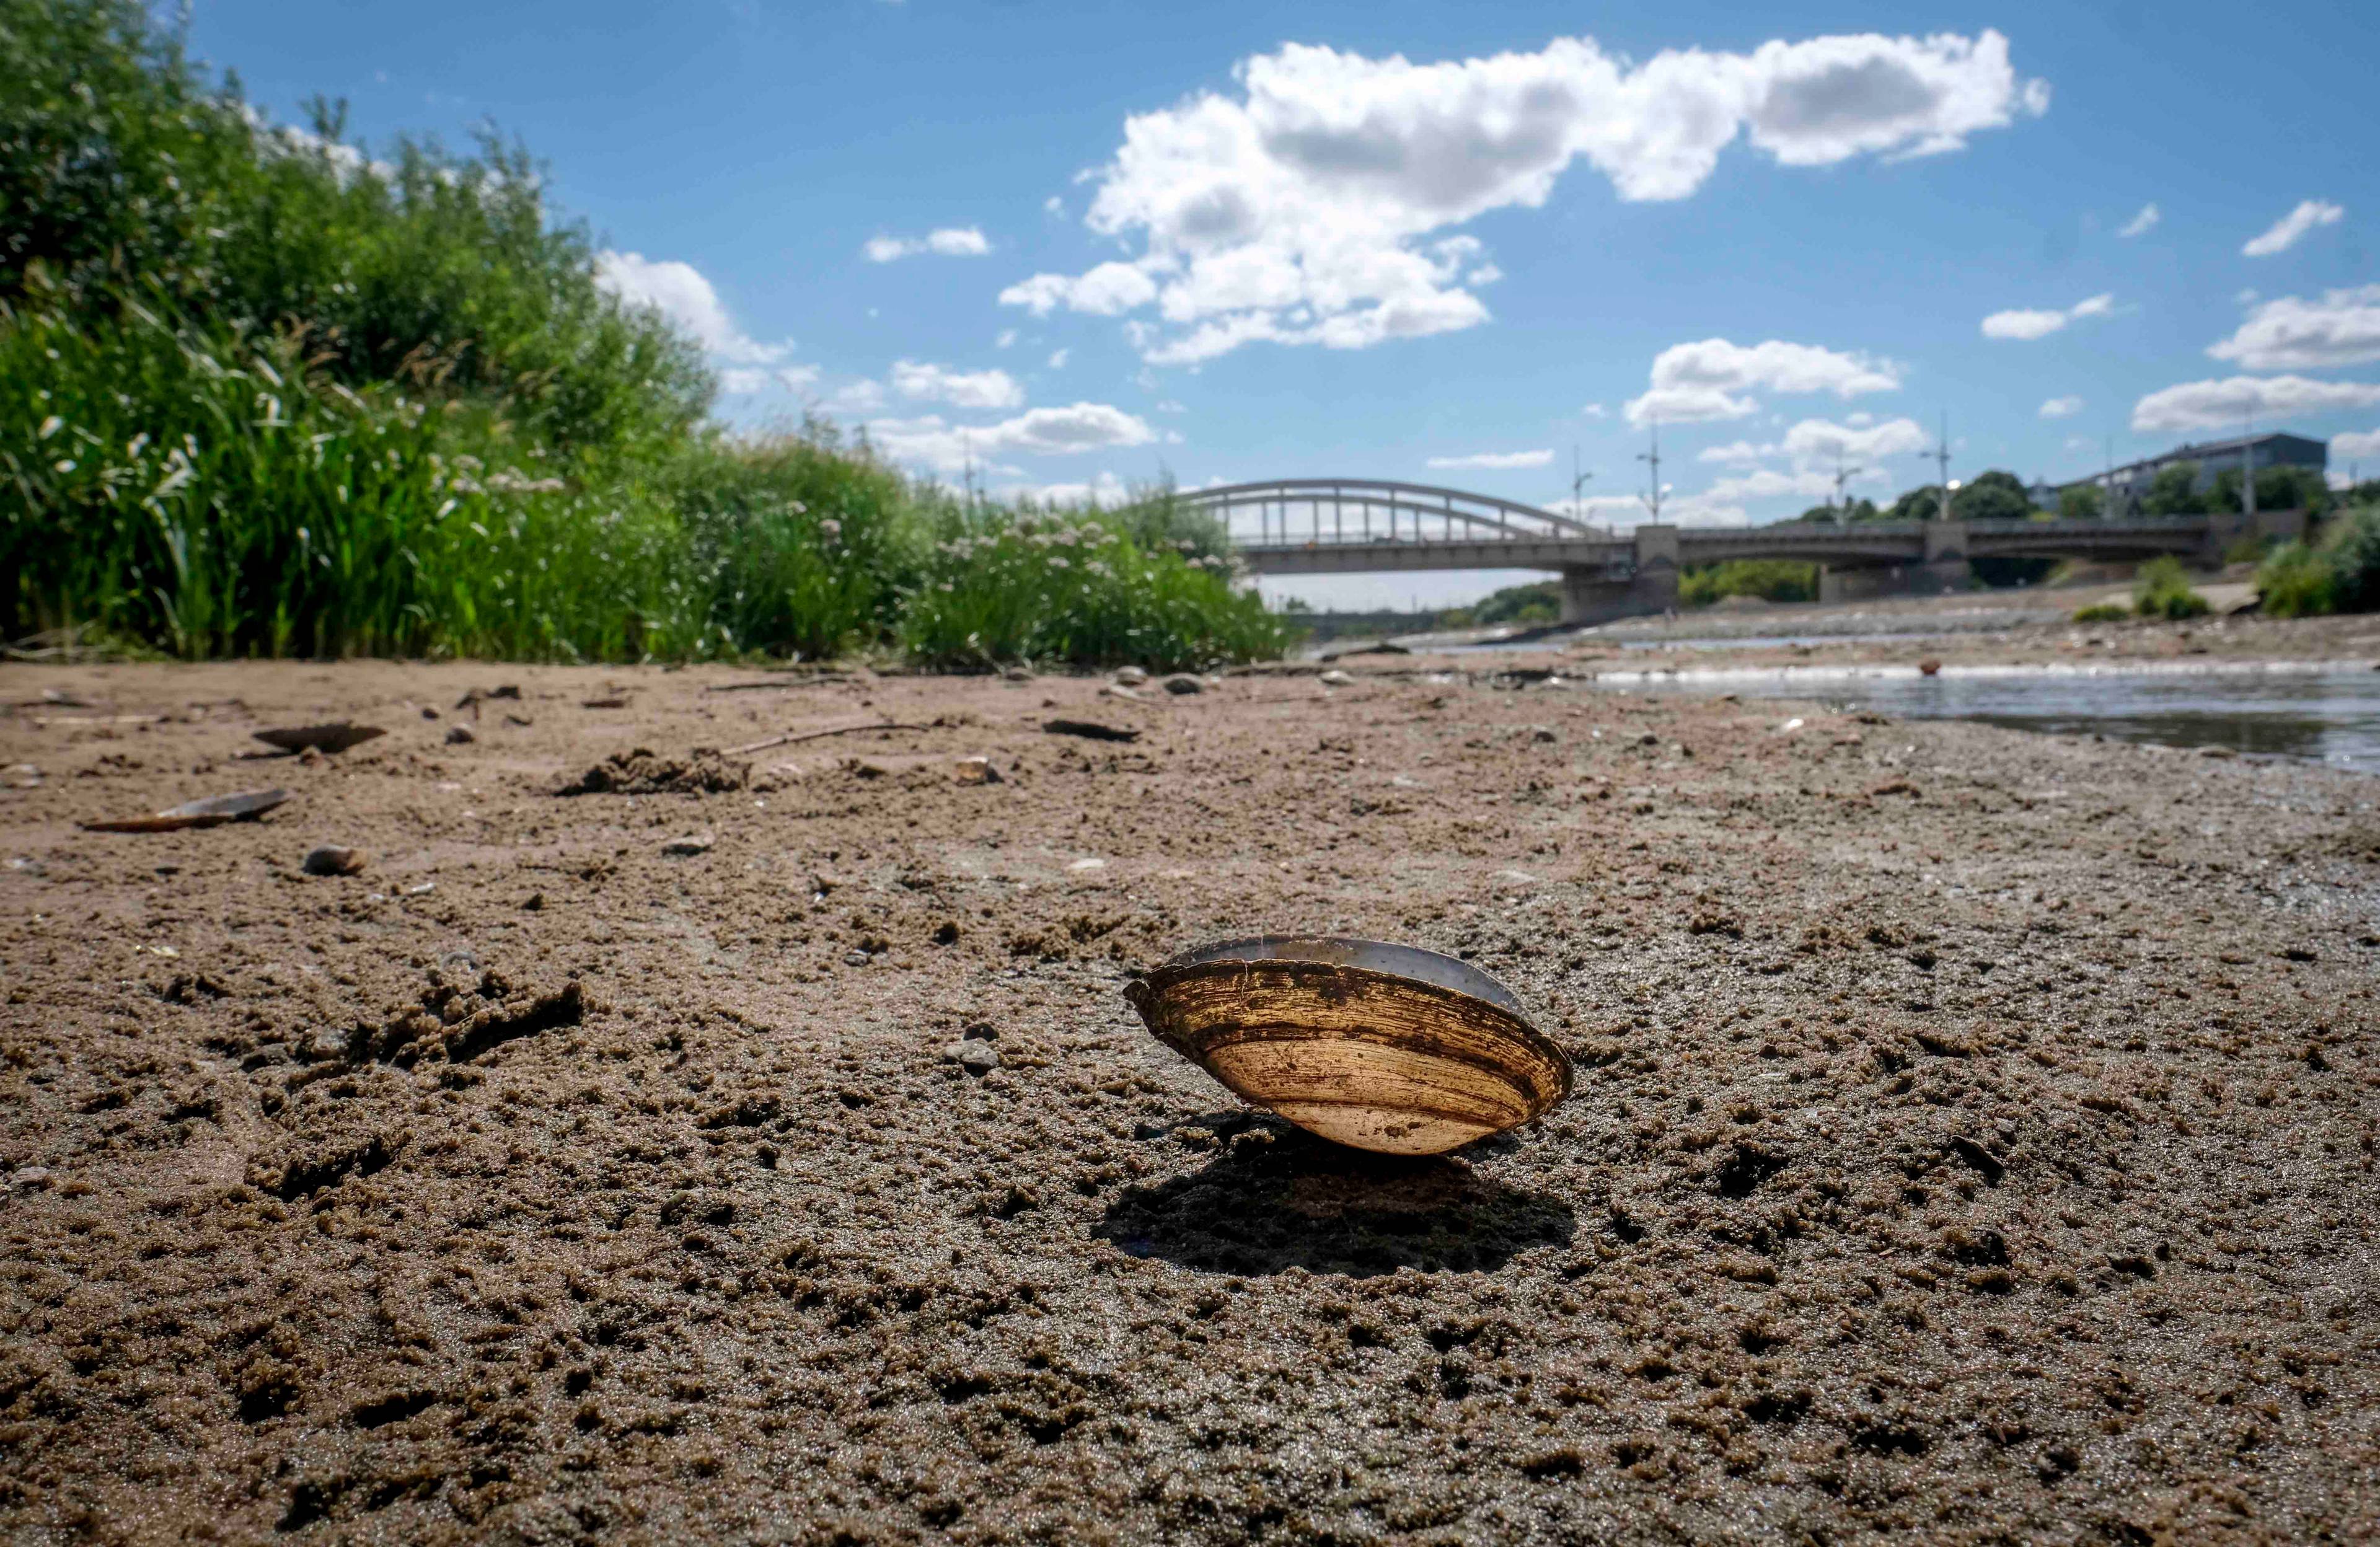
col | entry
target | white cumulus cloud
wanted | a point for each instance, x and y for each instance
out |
(1713, 378)
(1496, 460)
(2225, 404)
(1304, 206)
(1762, 483)
(2285, 232)
(1053, 431)
(2142, 223)
(1816, 439)
(963, 389)
(2062, 408)
(2292, 334)
(1736, 454)
(2356, 443)
(745, 380)
(2041, 325)
(952, 241)
(679, 292)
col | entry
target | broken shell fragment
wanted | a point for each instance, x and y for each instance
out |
(213, 812)
(1378, 1047)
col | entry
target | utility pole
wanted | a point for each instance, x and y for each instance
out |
(2248, 469)
(1942, 456)
(1578, 482)
(1842, 476)
(1654, 457)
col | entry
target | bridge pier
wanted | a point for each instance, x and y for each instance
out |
(1942, 569)
(2225, 530)
(1588, 596)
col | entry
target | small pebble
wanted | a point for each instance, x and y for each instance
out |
(457, 735)
(855, 958)
(1541, 732)
(1334, 678)
(1182, 683)
(332, 859)
(973, 1057)
(694, 843)
(1131, 677)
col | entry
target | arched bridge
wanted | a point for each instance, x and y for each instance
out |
(1323, 526)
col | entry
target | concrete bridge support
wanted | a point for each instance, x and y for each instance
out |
(1588, 596)
(1943, 569)
(2226, 531)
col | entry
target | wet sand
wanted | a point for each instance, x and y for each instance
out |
(1974, 1135)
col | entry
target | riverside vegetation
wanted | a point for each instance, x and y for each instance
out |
(262, 393)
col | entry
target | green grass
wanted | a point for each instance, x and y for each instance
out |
(2161, 589)
(2104, 612)
(265, 393)
(1074, 588)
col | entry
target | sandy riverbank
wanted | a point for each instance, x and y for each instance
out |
(1974, 1134)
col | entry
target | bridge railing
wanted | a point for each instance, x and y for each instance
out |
(1311, 512)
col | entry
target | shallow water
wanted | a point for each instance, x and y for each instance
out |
(2325, 712)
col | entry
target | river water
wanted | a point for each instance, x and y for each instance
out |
(2327, 712)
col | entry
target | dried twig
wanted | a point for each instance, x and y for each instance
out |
(787, 741)
(816, 681)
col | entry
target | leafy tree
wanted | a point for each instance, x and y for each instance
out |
(2083, 502)
(1537, 601)
(126, 175)
(1827, 514)
(1918, 505)
(1774, 580)
(1992, 496)
(2174, 492)
(2292, 489)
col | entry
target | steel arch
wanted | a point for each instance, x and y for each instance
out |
(1340, 498)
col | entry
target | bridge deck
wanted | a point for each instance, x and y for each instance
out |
(1331, 526)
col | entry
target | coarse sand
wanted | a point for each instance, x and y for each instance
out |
(1972, 1139)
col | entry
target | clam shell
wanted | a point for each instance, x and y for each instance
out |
(1378, 1047)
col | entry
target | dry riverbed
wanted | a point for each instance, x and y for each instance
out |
(1974, 1135)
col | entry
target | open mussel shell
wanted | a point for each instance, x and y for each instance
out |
(1379, 1046)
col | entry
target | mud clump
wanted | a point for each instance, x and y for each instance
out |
(702, 771)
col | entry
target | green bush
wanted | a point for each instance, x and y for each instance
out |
(1772, 579)
(125, 173)
(2294, 581)
(2352, 550)
(2161, 589)
(2103, 611)
(2340, 574)
(262, 393)
(1069, 588)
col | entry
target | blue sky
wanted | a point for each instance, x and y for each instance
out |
(1443, 243)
